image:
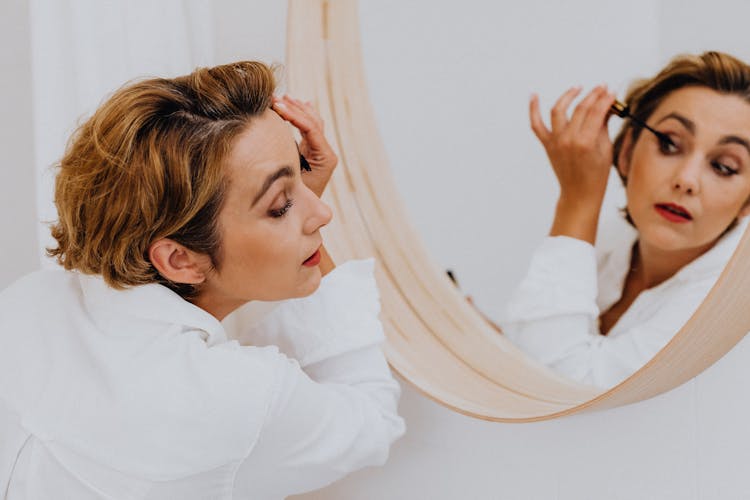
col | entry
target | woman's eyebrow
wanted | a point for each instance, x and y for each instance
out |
(735, 139)
(690, 125)
(687, 123)
(282, 172)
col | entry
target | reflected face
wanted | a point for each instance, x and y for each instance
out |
(270, 221)
(682, 197)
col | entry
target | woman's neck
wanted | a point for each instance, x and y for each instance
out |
(654, 265)
(649, 267)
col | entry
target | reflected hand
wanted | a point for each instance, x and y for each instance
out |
(314, 147)
(580, 151)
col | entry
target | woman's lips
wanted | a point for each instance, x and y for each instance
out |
(673, 212)
(313, 260)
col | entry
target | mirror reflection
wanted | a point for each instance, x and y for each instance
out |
(601, 282)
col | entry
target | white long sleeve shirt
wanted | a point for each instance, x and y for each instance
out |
(138, 394)
(553, 315)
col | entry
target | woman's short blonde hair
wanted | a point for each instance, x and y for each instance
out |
(714, 70)
(148, 165)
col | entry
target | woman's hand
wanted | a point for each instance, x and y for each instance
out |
(580, 151)
(314, 147)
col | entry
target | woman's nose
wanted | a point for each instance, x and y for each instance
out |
(687, 176)
(320, 214)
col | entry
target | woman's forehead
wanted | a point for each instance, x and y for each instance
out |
(264, 146)
(707, 109)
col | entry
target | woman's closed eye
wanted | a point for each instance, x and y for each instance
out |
(280, 211)
(723, 168)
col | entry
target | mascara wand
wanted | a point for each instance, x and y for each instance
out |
(623, 111)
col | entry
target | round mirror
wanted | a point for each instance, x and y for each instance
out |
(451, 104)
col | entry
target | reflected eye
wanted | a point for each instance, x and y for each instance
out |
(280, 212)
(667, 145)
(722, 169)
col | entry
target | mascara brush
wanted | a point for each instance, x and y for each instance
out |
(623, 111)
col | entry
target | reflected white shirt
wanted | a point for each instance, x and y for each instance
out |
(553, 315)
(139, 394)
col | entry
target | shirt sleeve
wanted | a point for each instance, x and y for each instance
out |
(334, 406)
(553, 316)
(553, 311)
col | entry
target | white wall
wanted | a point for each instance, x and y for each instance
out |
(688, 444)
(18, 243)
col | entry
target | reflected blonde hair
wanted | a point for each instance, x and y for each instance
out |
(148, 165)
(714, 70)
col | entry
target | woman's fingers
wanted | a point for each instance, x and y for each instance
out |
(590, 120)
(302, 116)
(314, 147)
(578, 148)
(310, 125)
(535, 117)
(581, 113)
(599, 115)
(559, 113)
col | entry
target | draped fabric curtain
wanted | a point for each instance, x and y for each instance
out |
(83, 50)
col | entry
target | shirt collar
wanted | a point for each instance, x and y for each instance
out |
(710, 263)
(153, 302)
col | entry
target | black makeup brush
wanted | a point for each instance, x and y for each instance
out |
(304, 164)
(622, 111)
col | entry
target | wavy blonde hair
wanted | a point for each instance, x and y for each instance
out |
(148, 165)
(714, 70)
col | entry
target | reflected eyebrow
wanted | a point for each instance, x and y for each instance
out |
(734, 139)
(688, 124)
(282, 172)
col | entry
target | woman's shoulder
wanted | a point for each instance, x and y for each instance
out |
(42, 277)
(136, 393)
(39, 290)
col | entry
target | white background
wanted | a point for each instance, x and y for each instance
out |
(450, 84)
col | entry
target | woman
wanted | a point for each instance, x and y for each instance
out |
(179, 200)
(599, 318)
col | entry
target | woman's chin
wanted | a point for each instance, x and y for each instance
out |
(665, 242)
(311, 284)
(668, 240)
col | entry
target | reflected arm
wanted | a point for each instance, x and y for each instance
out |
(554, 316)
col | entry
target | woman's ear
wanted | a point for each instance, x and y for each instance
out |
(177, 263)
(626, 152)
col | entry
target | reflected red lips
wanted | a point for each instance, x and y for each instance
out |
(313, 260)
(673, 212)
